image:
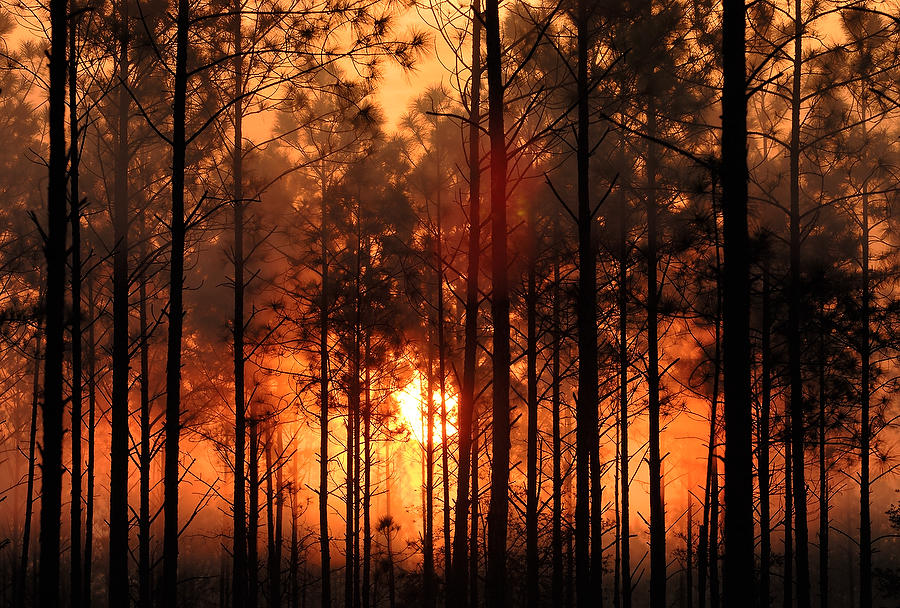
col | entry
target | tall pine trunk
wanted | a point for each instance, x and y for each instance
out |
(75, 579)
(458, 589)
(239, 561)
(367, 482)
(823, 480)
(801, 552)
(586, 431)
(145, 583)
(532, 587)
(474, 592)
(556, 400)
(498, 509)
(714, 594)
(55, 254)
(253, 514)
(865, 429)
(624, 455)
(442, 385)
(703, 547)
(763, 447)
(86, 571)
(176, 315)
(788, 593)
(119, 456)
(739, 537)
(657, 507)
(19, 593)
(324, 542)
(428, 515)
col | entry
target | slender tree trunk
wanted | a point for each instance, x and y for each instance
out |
(275, 599)
(273, 516)
(617, 523)
(532, 588)
(795, 296)
(145, 597)
(823, 482)
(323, 412)
(788, 524)
(473, 532)
(556, 399)
(239, 561)
(442, 384)
(22, 574)
(295, 547)
(428, 523)
(763, 465)
(586, 432)
(119, 456)
(55, 253)
(705, 548)
(711, 466)
(367, 483)
(658, 557)
(271, 567)
(498, 510)
(176, 316)
(714, 597)
(624, 454)
(351, 582)
(457, 590)
(689, 558)
(739, 537)
(865, 429)
(253, 514)
(391, 584)
(87, 580)
(75, 579)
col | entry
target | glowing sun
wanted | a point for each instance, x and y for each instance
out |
(411, 403)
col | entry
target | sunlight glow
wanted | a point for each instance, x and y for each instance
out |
(411, 403)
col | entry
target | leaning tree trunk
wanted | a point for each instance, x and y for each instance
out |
(55, 253)
(22, 574)
(739, 559)
(498, 510)
(457, 591)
